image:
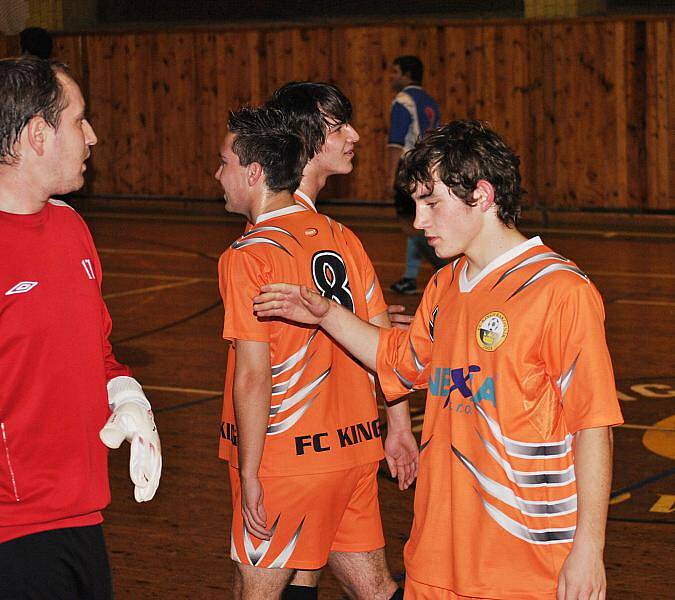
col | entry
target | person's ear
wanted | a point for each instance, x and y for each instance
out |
(484, 195)
(254, 172)
(36, 133)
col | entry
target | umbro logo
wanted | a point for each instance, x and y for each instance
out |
(21, 288)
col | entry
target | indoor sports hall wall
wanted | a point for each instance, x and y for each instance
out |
(589, 104)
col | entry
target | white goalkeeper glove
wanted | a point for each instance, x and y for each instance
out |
(132, 420)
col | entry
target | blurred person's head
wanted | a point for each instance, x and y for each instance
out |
(406, 70)
(36, 41)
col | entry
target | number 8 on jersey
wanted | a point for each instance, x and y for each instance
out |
(330, 277)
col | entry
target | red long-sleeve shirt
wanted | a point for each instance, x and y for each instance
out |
(55, 361)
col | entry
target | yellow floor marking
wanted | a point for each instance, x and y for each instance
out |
(620, 498)
(658, 441)
(648, 427)
(154, 288)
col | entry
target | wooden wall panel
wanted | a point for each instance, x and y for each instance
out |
(660, 114)
(9, 46)
(588, 104)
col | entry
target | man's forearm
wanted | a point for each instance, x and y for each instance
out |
(251, 408)
(593, 468)
(359, 337)
(398, 415)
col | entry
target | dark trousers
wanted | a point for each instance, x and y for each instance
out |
(63, 564)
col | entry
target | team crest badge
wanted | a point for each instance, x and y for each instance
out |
(492, 331)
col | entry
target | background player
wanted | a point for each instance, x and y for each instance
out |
(55, 357)
(322, 114)
(515, 465)
(302, 429)
(413, 111)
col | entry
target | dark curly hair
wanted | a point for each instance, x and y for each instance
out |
(312, 107)
(264, 135)
(460, 154)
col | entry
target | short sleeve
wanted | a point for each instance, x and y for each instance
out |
(399, 125)
(240, 276)
(577, 360)
(404, 357)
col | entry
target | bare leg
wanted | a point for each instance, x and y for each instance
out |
(363, 575)
(254, 583)
(306, 578)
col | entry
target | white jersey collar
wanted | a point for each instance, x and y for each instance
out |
(466, 285)
(306, 200)
(288, 210)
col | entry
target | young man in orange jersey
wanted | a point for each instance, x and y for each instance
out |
(303, 446)
(515, 463)
(321, 114)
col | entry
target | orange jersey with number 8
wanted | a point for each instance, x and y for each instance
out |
(323, 415)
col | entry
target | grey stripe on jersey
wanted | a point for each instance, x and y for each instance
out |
(288, 422)
(264, 228)
(530, 261)
(547, 271)
(294, 359)
(530, 508)
(407, 384)
(566, 377)
(530, 478)
(554, 535)
(300, 395)
(283, 386)
(258, 240)
(371, 289)
(528, 450)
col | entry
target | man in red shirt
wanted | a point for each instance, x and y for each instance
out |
(60, 380)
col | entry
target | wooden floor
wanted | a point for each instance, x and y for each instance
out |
(161, 288)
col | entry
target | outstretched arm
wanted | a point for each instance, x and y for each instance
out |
(252, 396)
(302, 305)
(400, 446)
(583, 573)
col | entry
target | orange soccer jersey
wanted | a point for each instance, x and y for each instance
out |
(515, 363)
(323, 414)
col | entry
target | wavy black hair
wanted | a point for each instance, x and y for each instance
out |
(460, 154)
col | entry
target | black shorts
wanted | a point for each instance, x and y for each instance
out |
(62, 564)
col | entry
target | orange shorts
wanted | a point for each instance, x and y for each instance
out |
(415, 590)
(311, 516)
